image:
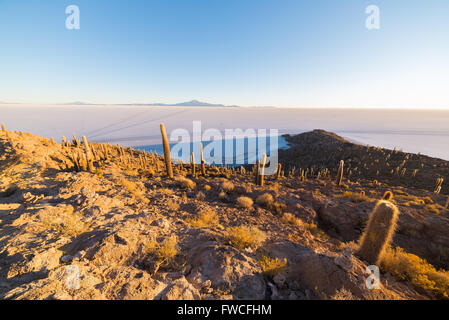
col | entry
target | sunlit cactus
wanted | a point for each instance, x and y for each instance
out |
(439, 185)
(388, 195)
(379, 232)
(192, 164)
(257, 172)
(278, 173)
(340, 173)
(203, 163)
(166, 146)
(262, 170)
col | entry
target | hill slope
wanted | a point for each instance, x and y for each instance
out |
(124, 231)
(321, 149)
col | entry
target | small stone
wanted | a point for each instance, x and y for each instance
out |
(279, 280)
(66, 259)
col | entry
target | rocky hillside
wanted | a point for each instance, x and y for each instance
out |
(113, 226)
(321, 149)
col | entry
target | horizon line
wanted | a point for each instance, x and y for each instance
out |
(212, 105)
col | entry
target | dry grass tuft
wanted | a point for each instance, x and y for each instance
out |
(271, 267)
(163, 253)
(71, 224)
(406, 266)
(343, 294)
(172, 204)
(227, 186)
(185, 183)
(356, 197)
(204, 219)
(166, 191)
(265, 200)
(290, 218)
(244, 202)
(243, 237)
(316, 231)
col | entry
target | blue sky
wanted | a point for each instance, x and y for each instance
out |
(287, 53)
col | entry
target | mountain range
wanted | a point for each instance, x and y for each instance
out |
(192, 103)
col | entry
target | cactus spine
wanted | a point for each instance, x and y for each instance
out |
(340, 173)
(379, 232)
(167, 159)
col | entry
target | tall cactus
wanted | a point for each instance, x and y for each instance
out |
(439, 185)
(203, 163)
(278, 173)
(262, 170)
(167, 159)
(3, 127)
(379, 232)
(89, 154)
(192, 165)
(340, 173)
(257, 172)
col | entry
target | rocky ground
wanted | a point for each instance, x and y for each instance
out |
(123, 230)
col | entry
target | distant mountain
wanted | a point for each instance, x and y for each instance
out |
(78, 103)
(196, 103)
(193, 103)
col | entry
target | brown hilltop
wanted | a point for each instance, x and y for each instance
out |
(322, 149)
(129, 232)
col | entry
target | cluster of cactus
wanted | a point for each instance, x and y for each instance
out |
(439, 185)
(302, 175)
(259, 171)
(84, 155)
(378, 233)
